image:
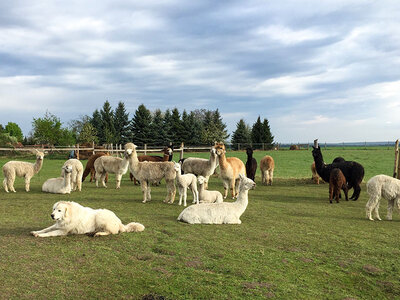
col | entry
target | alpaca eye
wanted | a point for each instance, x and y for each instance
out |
(59, 210)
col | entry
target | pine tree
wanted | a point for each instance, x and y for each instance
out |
(221, 126)
(140, 126)
(157, 129)
(168, 137)
(257, 133)
(194, 129)
(176, 131)
(267, 136)
(121, 124)
(107, 133)
(242, 135)
(96, 122)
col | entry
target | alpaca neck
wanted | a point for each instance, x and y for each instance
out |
(166, 157)
(133, 162)
(250, 157)
(67, 180)
(170, 157)
(319, 162)
(242, 200)
(223, 163)
(213, 160)
(38, 165)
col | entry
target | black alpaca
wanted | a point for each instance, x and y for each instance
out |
(353, 171)
(251, 164)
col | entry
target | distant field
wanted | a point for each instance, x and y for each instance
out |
(292, 244)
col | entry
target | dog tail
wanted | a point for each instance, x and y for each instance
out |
(133, 227)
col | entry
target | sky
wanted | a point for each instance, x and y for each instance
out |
(314, 69)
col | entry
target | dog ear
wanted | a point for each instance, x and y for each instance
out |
(67, 212)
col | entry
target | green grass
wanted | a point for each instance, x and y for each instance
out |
(292, 244)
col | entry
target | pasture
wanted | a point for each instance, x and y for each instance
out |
(292, 244)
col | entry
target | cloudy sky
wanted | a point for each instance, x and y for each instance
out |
(314, 69)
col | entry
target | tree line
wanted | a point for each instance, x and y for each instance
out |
(108, 125)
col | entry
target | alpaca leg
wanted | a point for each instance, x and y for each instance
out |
(143, 185)
(11, 184)
(357, 191)
(330, 193)
(226, 186)
(195, 196)
(79, 183)
(92, 175)
(237, 181)
(376, 212)
(118, 180)
(206, 182)
(102, 233)
(390, 209)
(5, 185)
(27, 182)
(271, 177)
(372, 202)
(171, 191)
(267, 179)
(337, 193)
(262, 177)
(102, 175)
(346, 192)
(97, 175)
(232, 187)
(184, 196)
(180, 190)
(148, 191)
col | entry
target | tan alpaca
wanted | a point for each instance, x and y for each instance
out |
(315, 176)
(267, 166)
(230, 168)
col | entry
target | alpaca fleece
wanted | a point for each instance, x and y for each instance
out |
(337, 181)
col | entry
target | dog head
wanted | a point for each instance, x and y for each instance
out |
(61, 211)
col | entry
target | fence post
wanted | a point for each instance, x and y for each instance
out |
(93, 148)
(145, 149)
(181, 155)
(396, 159)
(77, 151)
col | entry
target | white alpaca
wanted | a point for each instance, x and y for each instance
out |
(386, 187)
(220, 213)
(60, 185)
(201, 166)
(184, 182)
(76, 175)
(110, 164)
(21, 169)
(206, 196)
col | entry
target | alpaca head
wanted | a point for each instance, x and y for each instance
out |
(39, 154)
(168, 151)
(67, 169)
(130, 146)
(128, 152)
(249, 151)
(201, 180)
(246, 183)
(220, 149)
(177, 167)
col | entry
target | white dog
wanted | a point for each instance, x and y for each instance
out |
(73, 218)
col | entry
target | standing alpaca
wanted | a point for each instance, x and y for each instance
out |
(110, 164)
(382, 186)
(206, 196)
(151, 172)
(201, 166)
(60, 185)
(230, 168)
(314, 176)
(353, 171)
(337, 181)
(184, 182)
(21, 169)
(77, 171)
(90, 167)
(220, 213)
(251, 164)
(167, 156)
(267, 166)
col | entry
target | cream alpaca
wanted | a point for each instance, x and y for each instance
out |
(386, 187)
(230, 168)
(21, 169)
(206, 196)
(151, 172)
(219, 213)
(110, 164)
(267, 166)
(76, 175)
(201, 166)
(60, 185)
(184, 182)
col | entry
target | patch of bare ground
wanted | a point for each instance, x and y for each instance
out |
(371, 269)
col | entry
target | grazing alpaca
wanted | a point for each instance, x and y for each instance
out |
(151, 172)
(251, 164)
(314, 176)
(230, 168)
(206, 196)
(76, 175)
(353, 171)
(220, 213)
(267, 166)
(110, 164)
(60, 185)
(24, 169)
(90, 167)
(167, 156)
(337, 181)
(386, 187)
(184, 182)
(201, 166)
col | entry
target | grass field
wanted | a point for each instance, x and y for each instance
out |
(292, 244)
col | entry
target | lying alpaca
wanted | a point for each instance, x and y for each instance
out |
(219, 213)
(314, 176)
(337, 181)
(386, 187)
(167, 156)
(267, 166)
(251, 164)
(24, 169)
(353, 171)
(60, 185)
(77, 171)
(206, 196)
(151, 172)
(230, 168)
(90, 167)
(184, 182)
(109, 164)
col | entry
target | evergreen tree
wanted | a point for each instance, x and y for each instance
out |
(107, 133)
(213, 128)
(96, 122)
(140, 126)
(267, 136)
(88, 134)
(257, 133)
(221, 126)
(121, 124)
(14, 130)
(176, 130)
(168, 138)
(194, 129)
(157, 128)
(242, 135)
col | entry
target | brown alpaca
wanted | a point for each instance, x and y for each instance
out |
(90, 166)
(315, 176)
(337, 181)
(153, 158)
(267, 166)
(230, 168)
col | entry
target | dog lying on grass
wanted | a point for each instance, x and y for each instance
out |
(73, 218)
